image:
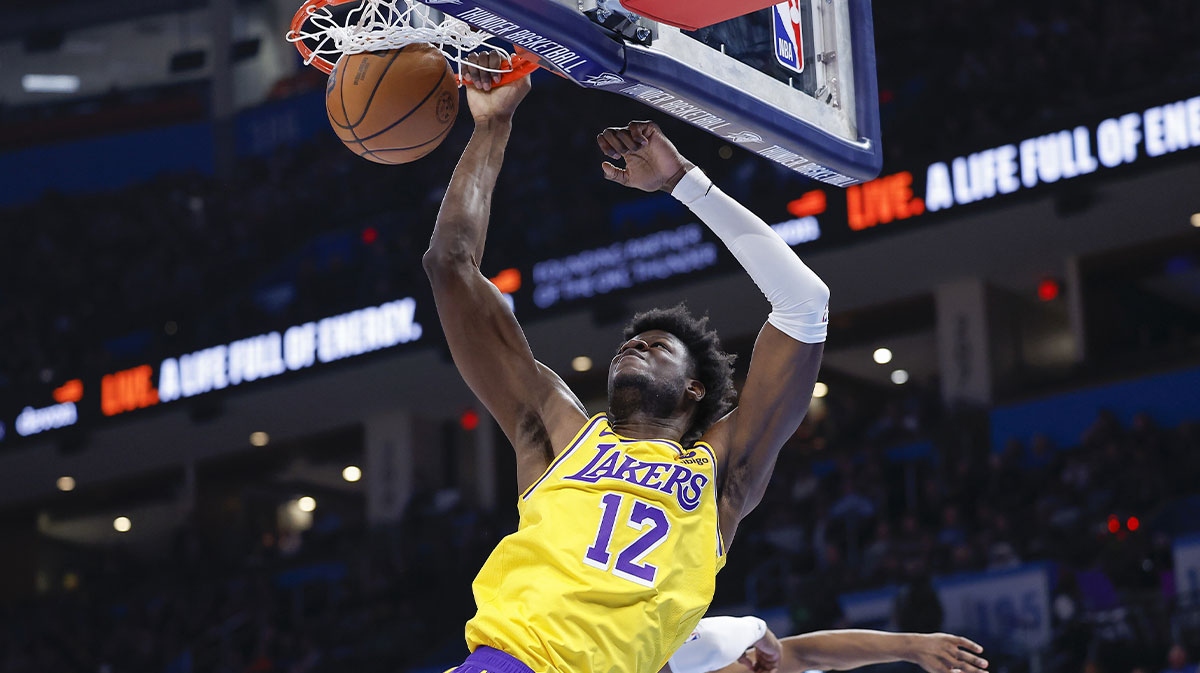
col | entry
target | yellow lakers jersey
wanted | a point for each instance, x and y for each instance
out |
(613, 563)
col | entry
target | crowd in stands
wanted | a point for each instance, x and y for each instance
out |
(1102, 511)
(92, 282)
(957, 71)
(867, 522)
(240, 594)
(248, 598)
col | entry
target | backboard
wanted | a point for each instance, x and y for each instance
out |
(794, 82)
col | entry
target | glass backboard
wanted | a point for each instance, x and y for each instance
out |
(794, 83)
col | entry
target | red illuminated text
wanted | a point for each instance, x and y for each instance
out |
(127, 390)
(882, 201)
(812, 203)
(71, 391)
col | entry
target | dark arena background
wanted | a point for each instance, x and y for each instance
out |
(232, 438)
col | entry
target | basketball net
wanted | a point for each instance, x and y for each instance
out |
(375, 25)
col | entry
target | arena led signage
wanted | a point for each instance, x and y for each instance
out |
(62, 414)
(262, 356)
(904, 196)
(1029, 163)
(32, 421)
(636, 261)
(227, 365)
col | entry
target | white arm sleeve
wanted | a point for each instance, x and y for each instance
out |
(716, 643)
(799, 299)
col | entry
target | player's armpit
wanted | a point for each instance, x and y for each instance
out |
(773, 402)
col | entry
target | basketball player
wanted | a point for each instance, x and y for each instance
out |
(744, 644)
(626, 515)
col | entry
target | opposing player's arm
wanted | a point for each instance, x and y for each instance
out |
(787, 353)
(533, 406)
(844, 649)
(727, 645)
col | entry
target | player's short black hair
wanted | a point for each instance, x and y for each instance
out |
(714, 367)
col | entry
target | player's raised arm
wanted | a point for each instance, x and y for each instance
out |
(787, 353)
(533, 406)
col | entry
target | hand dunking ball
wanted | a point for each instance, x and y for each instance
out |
(393, 106)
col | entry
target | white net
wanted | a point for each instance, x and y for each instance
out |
(374, 25)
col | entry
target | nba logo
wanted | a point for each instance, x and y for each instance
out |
(789, 45)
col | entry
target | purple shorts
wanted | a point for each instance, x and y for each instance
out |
(490, 660)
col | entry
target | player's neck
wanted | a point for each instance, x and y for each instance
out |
(640, 425)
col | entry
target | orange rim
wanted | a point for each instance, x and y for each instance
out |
(301, 15)
(522, 61)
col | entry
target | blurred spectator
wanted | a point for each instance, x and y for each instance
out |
(1177, 660)
(917, 607)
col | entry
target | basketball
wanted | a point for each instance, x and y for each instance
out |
(393, 106)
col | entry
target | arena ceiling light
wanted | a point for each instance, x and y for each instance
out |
(1196, 220)
(581, 364)
(50, 83)
(306, 503)
(820, 390)
(65, 483)
(122, 524)
(900, 377)
(259, 438)
(351, 473)
(882, 356)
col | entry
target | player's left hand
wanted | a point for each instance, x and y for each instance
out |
(651, 161)
(946, 653)
(766, 655)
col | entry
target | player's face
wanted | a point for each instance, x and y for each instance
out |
(656, 351)
(657, 364)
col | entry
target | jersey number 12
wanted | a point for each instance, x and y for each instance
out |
(629, 564)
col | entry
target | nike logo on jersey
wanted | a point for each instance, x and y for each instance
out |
(670, 478)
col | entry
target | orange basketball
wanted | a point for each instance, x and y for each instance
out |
(393, 106)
